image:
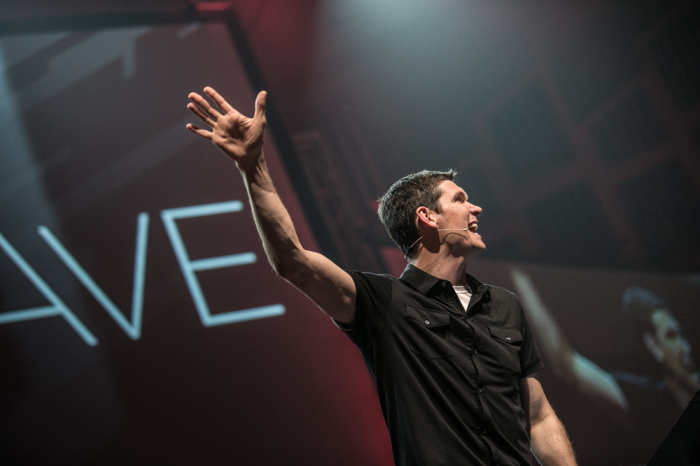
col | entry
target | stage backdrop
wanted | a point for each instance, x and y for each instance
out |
(140, 322)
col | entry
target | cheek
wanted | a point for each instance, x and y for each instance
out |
(678, 348)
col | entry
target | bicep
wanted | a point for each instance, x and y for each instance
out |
(533, 400)
(327, 285)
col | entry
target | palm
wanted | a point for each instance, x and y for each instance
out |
(238, 136)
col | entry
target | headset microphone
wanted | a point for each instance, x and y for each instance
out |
(441, 229)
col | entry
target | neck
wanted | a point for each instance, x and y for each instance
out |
(452, 269)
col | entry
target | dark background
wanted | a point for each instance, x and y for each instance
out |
(575, 126)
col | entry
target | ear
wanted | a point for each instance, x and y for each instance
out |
(425, 217)
(650, 343)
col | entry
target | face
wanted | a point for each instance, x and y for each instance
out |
(456, 214)
(671, 346)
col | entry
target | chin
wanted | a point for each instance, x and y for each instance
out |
(475, 251)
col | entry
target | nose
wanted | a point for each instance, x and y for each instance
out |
(475, 210)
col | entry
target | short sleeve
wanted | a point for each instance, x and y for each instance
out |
(372, 306)
(530, 360)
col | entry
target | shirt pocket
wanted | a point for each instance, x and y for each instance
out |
(428, 332)
(506, 343)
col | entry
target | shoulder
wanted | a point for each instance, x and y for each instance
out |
(367, 281)
(373, 289)
(506, 307)
(374, 296)
(502, 295)
(380, 277)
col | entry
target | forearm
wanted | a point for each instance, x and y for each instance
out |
(273, 222)
(550, 443)
(321, 280)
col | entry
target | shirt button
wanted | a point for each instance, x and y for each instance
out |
(481, 389)
(426, 322)
(475, 352)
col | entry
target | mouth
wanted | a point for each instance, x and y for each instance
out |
(473, 227)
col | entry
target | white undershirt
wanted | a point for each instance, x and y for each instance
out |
(464, 293)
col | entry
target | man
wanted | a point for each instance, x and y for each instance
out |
(455, 386)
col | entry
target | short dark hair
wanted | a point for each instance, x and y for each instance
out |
(397, 207)
(639, 304)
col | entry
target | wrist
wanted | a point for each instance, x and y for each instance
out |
(255, 172)
(251, 163)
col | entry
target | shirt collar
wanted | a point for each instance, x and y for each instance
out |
(424, 282)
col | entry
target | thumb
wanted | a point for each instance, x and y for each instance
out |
(260, 106)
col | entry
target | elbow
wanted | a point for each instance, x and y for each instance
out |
(281, 268)
(290, 269)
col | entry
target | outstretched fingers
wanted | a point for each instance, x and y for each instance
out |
(202, 116)
(199, 131)
(216, 97)
(203, 109)
(229, 128)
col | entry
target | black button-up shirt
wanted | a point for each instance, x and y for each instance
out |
(447, 379)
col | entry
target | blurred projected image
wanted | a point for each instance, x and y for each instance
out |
(653, 322)
(635, 399)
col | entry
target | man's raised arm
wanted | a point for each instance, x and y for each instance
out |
(241, 139)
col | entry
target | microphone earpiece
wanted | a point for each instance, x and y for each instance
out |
(442, 229)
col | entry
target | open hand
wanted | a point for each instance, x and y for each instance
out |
(238, 136)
